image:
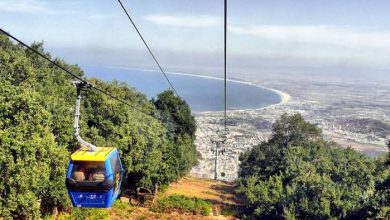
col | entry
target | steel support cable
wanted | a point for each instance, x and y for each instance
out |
(81, 79)
(154, 58)
(147, 46)
(77, 77)
(225, 34)
(166, 77)
(219, 143)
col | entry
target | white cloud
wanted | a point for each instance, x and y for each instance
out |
(183, 21)
(30, 6)
(325, 35)
(101, 16)
(22, 6)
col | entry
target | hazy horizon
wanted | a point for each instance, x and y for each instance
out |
(333, 40)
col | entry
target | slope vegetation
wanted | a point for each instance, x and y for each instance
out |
(36, 132)
(298, 175)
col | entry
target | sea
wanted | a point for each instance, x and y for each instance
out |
(202, 93)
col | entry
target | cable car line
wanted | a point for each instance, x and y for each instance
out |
(83, 80)
(94, 174)
(155, 59)
(147, 46)
(225, 34)
(104, 179)
(77, 77)
(103, 164)
(218, 142)
(41, 55)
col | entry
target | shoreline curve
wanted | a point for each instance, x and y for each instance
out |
(284, 97)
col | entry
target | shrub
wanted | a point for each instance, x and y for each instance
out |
(298, 175)
(228, 211)
(183, 204)
(89, 214)
(36, 132)
(122, 209)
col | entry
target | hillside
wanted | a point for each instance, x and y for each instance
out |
(37, 101)
(221, 195)
(217, 192)
(295, 174)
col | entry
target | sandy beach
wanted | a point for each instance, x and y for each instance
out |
(284, 97)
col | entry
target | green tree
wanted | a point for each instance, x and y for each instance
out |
(268, 156)
(175, 113)
(36, 132)
(141, 140)
(298, 175)
(293, 130)
(32, 164)
(379, 204)
(181, 127)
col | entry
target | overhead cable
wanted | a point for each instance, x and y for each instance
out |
(76, 76)
(225, 80)
(151, 53)
(147, 46)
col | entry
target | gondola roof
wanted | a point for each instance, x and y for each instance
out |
(83, 154)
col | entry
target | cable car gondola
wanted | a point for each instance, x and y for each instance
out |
(94, 174)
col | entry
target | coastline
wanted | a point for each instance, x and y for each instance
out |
(252, 125)
(284, 97)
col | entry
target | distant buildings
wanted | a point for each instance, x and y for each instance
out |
(363, 124)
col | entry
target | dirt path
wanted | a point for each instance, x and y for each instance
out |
(216, 192)
(220, 194)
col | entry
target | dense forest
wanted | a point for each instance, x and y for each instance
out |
(296, 174)
(36, 132)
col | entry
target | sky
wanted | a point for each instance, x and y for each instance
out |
(277, 36)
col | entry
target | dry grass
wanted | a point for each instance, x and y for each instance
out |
(216, 192)
(144, 213)
(139, 213)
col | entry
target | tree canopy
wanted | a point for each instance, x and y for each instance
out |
(298, 175)
(181, 127)
(36, 132)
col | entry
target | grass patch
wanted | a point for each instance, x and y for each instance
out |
(228, 211)
(182, 204)
(84, 214)
(122, 209)
(163, 189)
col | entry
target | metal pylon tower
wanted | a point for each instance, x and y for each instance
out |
(219, 142)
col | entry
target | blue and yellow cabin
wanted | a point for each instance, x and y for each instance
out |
(93, 179)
